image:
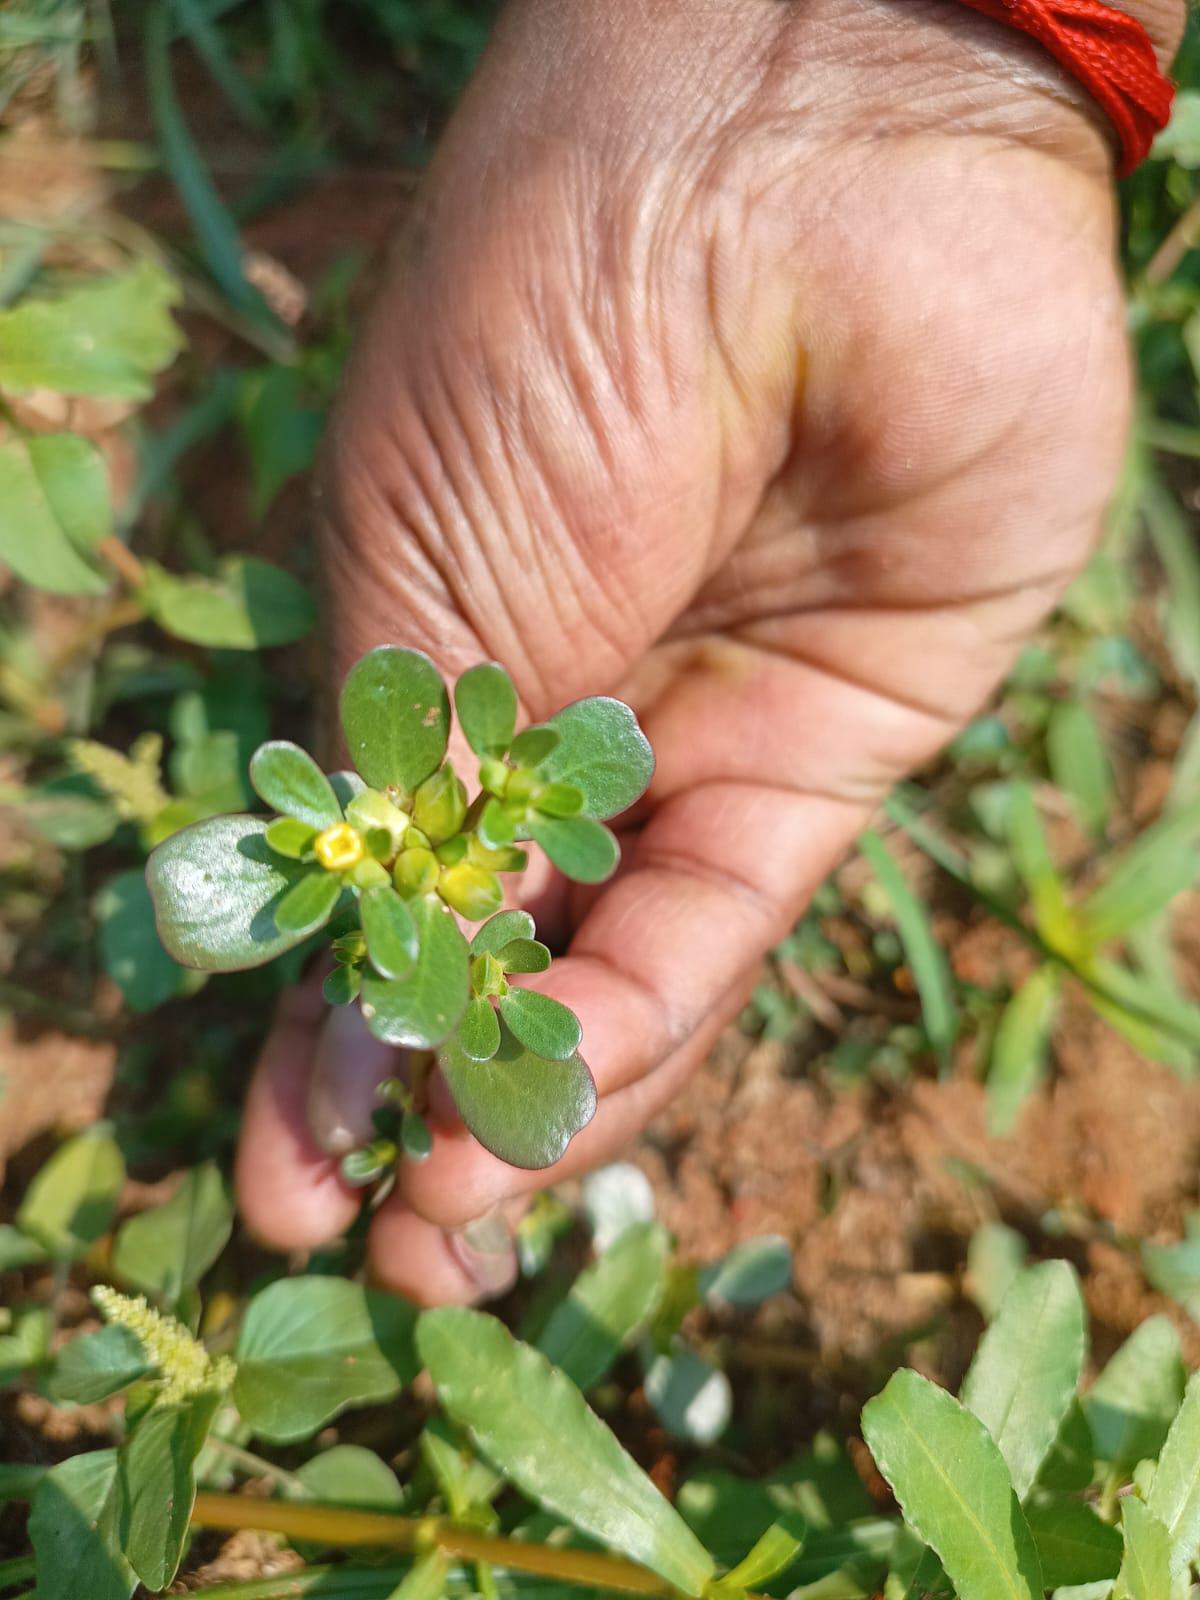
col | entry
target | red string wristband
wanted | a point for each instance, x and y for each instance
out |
(1111, 55)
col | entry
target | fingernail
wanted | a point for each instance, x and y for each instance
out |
(350, 1064)
(484, 1250)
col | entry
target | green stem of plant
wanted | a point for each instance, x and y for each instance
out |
(257, 1466)
(334, 1525)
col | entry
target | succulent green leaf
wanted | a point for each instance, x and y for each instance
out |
(342, 986)
(1133, 1402)
(541, 1024)
(1027, 1367)
(521, 1107)
(391, 932)
(440, 805)
(472, 891)
(54, 490)
(75, 1529)
(73, 1199)
(603, 752)
(951, 1480)
(309, 1347)
(290, 837)
(421, 1009)
(168, 1249)
(308, 904)
(580, 848)
(608, 1305)
(291, 783)
(130, 948)
(1146, 1570)
(497, 827)
(532, 1424)
(524, 955)
(158, 1485)
(501, 930)
(1174, 1496)
(347, 786)
(533, 745)
(560, 800)
(93, 1366)
(1074, 1546)
(416, 1140)
(486, 702)
(692, 1398)
(248, 605)
(479, 1031)
(396, 717)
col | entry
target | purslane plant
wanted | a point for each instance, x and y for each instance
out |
(385, 855)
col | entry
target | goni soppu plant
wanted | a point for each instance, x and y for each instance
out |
(385, 856)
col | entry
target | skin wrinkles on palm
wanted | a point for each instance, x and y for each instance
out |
(772, 378)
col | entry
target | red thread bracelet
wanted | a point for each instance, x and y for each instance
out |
(1111, 55)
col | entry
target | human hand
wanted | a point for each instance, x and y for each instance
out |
(763, 364)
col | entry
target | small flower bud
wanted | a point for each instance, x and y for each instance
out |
(415, 872)
(440, 805)
(370, 810)
(493, 776)
(471, 891)
(339, 848)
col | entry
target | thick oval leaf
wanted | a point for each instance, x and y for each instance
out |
(533, 1424)
(691, 1398)
(158, 1485)
(289, 837)
(949, 1476)
(1174, 1496)
(54, 490)
(532, 745)
(130, 948)
(249, 605)
(609, 1304)
(169, 1249)
(1074, 1546)
(73, 1199)
(486, 703)
(1133, 1402)
(522, 1108)
(423, 1008)
(581, 849)
(524, 955)
(500, 930)
(308, 904)
(342, 986)
(96, 1365)
(1146, 1570)
(396, 717)
(479, 1030)
(291, 783)
(390, 930)
(1027, 1367)
(215, 887)
(602, 751)
(311, 1346)
(541, 1024)
(75, 1529)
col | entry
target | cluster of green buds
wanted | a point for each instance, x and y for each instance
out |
(390, 855)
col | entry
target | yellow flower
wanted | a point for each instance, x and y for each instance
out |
(339, 848)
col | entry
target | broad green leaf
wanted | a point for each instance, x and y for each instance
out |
(521, 1107)
(608, 1305)
(524, 955)
(93, 1366)
(391, 933)
(1074, 1546)
(308, 904)
(26, 1344)
(602, 751)
(158, 1485)
(54, 490)
(1146, 1570)
(533, 1424)
(930, 970)
(1133, 1402)
(951, 1480)
(1027, 1367)
(18, 1250)
(19, 1479)
(130, 948)
(995, 1257)
(349, 1475)
(423, 1008)
(396, 717)
(1079, 762)
(248, 605)
(215, 887)
(1070, 1464)
(1020, 1047)
(311, 1346)
(543, 1025)
(750, 1273)
(73, 1199)
(280, 426)
(486, 703)
(291, 783)
(692, 1398)
(532, 745)
(169, 1249)
(1174, 1496)
(479, 1030)
(75, 1529)
(107, 338)
(1160, 864)
(1174, 1269)
(583, 850)
(71, 821)
(501, 930)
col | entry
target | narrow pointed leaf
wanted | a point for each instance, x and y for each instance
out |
(1019, 1052)
(1174, 1496)
(608, 1305)
(772, 1553)
(292, 783)
(603, 752)
(1133, 1402)
(532, 1424)
(584, 850)
(542, 1024)
(522, 1108)
(396, 717)
(479, 1031)
(308, 904)
(1027, 1367)
(1146, 1570)
(500, 930)
(422, 1009)
(486, 703)
(391, 932)
(1079, 762)
(949, 1476)
(1159, 865)
(215, 887)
